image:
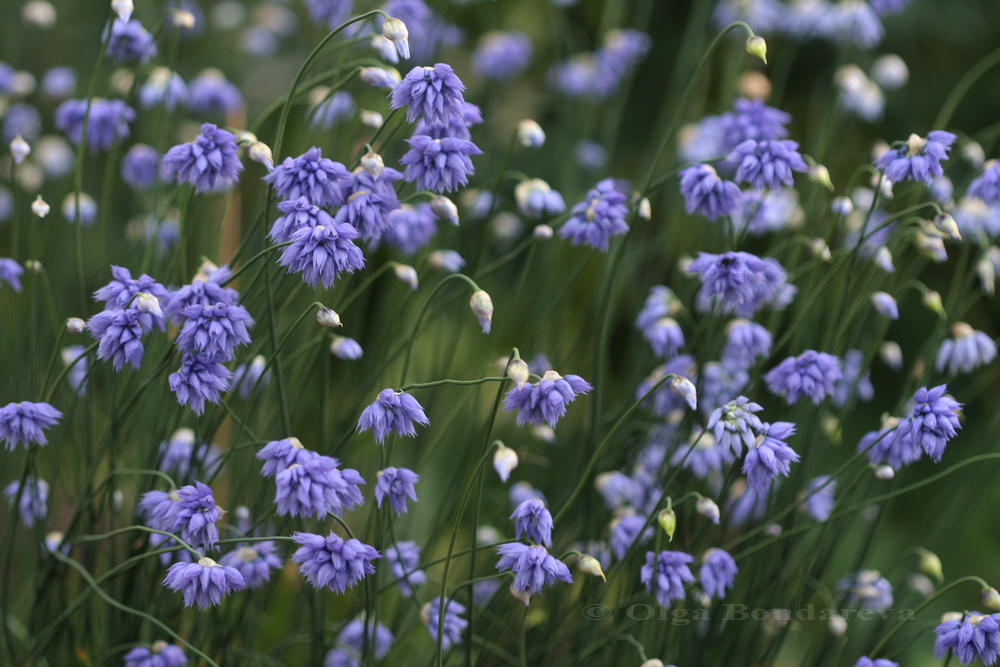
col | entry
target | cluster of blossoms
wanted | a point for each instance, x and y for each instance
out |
(545, 400)
(133, 307)
(308, 483)
(931, 423)
(598, 75)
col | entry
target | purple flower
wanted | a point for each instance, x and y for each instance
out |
(254, 561)
(57, 83)
(932, 422)
(396, 484)
(720, 383)
(130, 42)
(212, 94)
(735, 425)
(660, 303)
(621, 52)
(626, 531)
(214, 331)
(885, 305)
(33, 502)
(769, 456)
(343, 347)
(617, 488)
(855, 22)
(154, 506)
(533, 522)
(177, 455)
(355, 634)
(856, 380)
(320, 180)
(439, 165)
(322, 253)
(392, 412)
(664, 399)
(298, 214)
(865, 661)
(986, 186)
(866, 589)
(140, 167)
(158, 654)
(199, 379)
(280, 454)
(10, 273)
(820, 504)
(25, 422)
(403, 559)
(751, 119)
(22, 119)
(246, 377)
(193, 516)
(502, 55)
(665, 574)
(118, 293)
(533, 567)
(738, 282)
(205, 290)
(76, 378)
(370, 200)
(768, 163)
(965, 351)
(337, 107)
(974, 636)
(409, 228)
(120, 333)
(107, 126)
(885, 446)
(433, 93)
(329, 12)
(707, 194)
(743, 505)
(451, 627)
(210, 163)
(599, 217)
(315, 486)
(163, 87)
(536, 199)
(203, 583)
(717, 574)
(545, 400)
(917, 159)
(813, 374)
(745, 341)
(708, 456)
(665, 337)
(331, 562)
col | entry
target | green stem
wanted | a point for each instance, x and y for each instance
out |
(962, 87)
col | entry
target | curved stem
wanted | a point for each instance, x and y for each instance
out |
(439, 383)
(263, 253)
(962, 87)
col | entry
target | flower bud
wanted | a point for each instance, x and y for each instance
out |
(542, 232)
(652, 662)
(883, 260)
(708, 509)
(380, 77)
(947, 226)
(590, 565)
(482, 307)
(756, 46)
(891, 355)
(932, 301)
(504, 461)
(39, 13)
(545, 433)
(123, 8)
(395, 31)
(445, 209)
(346, 348)
(890, 71)
(885, 305)
(183, 19)
(261, 152)
(884, 472)
(521, 596)
(328, 318)
(75, 325)
(407, 274)
(517, 371)
(530, 134)
(19, 149)
(842, 206)
(819, 249)
(668, 522)
(973, 153)
(921, 584)
(447, 261)
(371, 119)
(820, 175)
(53, 540)
(685, 389)
(373, 164)
(990, 598)
(754, 85)
(838, 626)
(930, 565)
(39, 207)
(644, 210)
(987, 276)
(147, 303)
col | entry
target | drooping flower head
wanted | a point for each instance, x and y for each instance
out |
(214, 331)
(439, 165)
(332, 562)
(986, 186)
(917, 159)
(409, 228)
(735, 425)
(770, 456)
(884, 446)
(210, 163)
(130, 42)
(972, 636)
(502, 55)
(193, 515)
(33, 502)
(320, 180)
(404, 559)
(199, 379)
(163, 87)
(212, 94)
(597, 218)
(25, 422)
(533, 522)
(665, 574)
(738, 282)
(452, 625)
(140, 167)
(179, 453)
(432, 93)
(314, 486)
(205, 289)
(707, 194)
(965, 351)
(396, 484)
(533, 567)
(546, 400)
(10, 273)
(717, 573)
(932, 422)
(322, 253)
(157, 654)
(813, 374)
(108, 123)
(745, 341)
(866, 589)
(254, 561)
(767, 164)
(204, 583)
(392, 412)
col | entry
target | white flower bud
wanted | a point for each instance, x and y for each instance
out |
(75, 325)
(395, 31)
(482, 307)
(890, 71)
(838, 626)
(488, 535)
(445, 209)
(884, 472)
(328, 318)
(668, 522)
(39, 13)
(590, 565)
(407, 274)
(708, 509)
(883, 260)
(685, 389)
(504, 461)
(517, 371)
(530, 134)
(756, 46)
(123, 8)
(183, 19)
(147, 303)
(973, 153)
(987, 276)
(820, 175)
(371, 119)
(819, 249)
(373, 164)
(891, 355)
(842, 206)
(543, 232)
(947, 225)
(930, 565)
(19, 149)
(33, 265)
(261, 152)
(921, 584)
(652, 662)
(521, 596)
(990, 598)
(932, 301)
(545, 433)
(39, 207)
(645, 210)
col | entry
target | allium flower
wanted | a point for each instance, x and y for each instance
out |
(813, 374)
(767, 164)
(158, 654)
(708, 456)
(338, 107)
(932, 422)
(329, 12)
(626, 531)
(370, 200)
(205, 290)
(177, 455)
(720, 383)
(246, 377)
(154, 506)
(331, 562)
(918, 159)
(855, 22)
(974, 636)
(210, 163)
(738, 282)
(867, 589)
(353, 638)
(735, 425)
(392, 412)
(660, 303)
(536, 199)
(322, 253)
(25, 422)
(130, 42)
(665, 574)
(533, 522)
(193, 515)
(140, 167)
(280, 454)
(199, 379)
(298, 214)
(965, 351)
(745, 341)
(10, 273)
(33, 503)
(107, 126)
(343, 347)
(320, 180)
(664, 336)
(502, 55)
(750, 119)
(717, 574)
(885, 447)
(599, 217)
(707, 194)
(315, 486)
(163, 87)
(212, 94)
(396, 484)
(403, 559)
(545, 400)
(769, 456)
(203, 583)
(433, 93)
(214, 331)
(820, 504)
(118, 294)
(533, 568)
(439, 165)
(856, 380)
(254, 561)
(986, 186)
(409, 228)
(865, 661)
(451, 627)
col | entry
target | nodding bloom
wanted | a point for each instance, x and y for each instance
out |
(664, 399)
(280, 454)
(597, 218)
(118, 294)
(767, 164)
(866, 589)
(204, 583)
(451, 626)
(457, 127)
(621, 51)
(177, 454)
(343, 347)
(77, 375)
(205, 289)
(352, 639)
(660, 303)
(745, 341)
(120, 333)
(769, 456)
(971, 636)
(396, 484)
(965, 351)
(332, 562)
(546, 400)
(409, 228)
(932, 422)
(738, 282)
(750, 119)
(33, 502)
(626, 531)
(199, 379)
(665, 574)
(720, 383)
(918, 158)
(10, 273)
(370, 200)
(856, 381)
(855, 22)
(254, 561)
(502, 55)
(338, 107)
(210, 163)
(533, 522)
(322, 253)
(885, 305)
(813, 374)
(320, 180)
(140, 167)
(707, 194)
(865, 661)
(432, 93)
(130, 42)
(299, 214)
(214, 331)
(708, 456)
(665, 336)
(107, 126)
(315, 486)
(329, 12)
(163, 87)
(392, 412)
(212, 94)
(884, 446)
(157, 654)
(536, 199)
(25, 422)
(533, 567)
(820, 504)
(717, 573)
(986, 186)
(403, 559)
(246, 377)
(193, 515)
(735, 425)
(439, 165)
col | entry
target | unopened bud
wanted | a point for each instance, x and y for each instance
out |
(183, 19)
(891, 354)
(517, 371)
(373, 164)
(75, 325)
(820, 175)
(668, 522)
(987, 273)
(19, 149)
(545, 433)
(39, 207)
(930, 565)
(947, 225)
(530, 134)
(885, 305)
(685, 389)
(921, 584)
(371, 119)
(756, 46)
(504, 461)
(883, 260)
(990, 598)
(819, 249)
(652, 662)
(33, 265)
(39, 13)
(644, 210)
(708, 509)
(884, 472)
(395, 31)
(842, 206)
(328, 318)
(521, 596)
(445, 209)
(542, 232)
(932, 301)
(447, 261)
(380, 77)
(973, 153)
(482, 307)
(261, 152)
(838, 626)
(123, 8)
(148, 303)
(590, 565)
(407, 274)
